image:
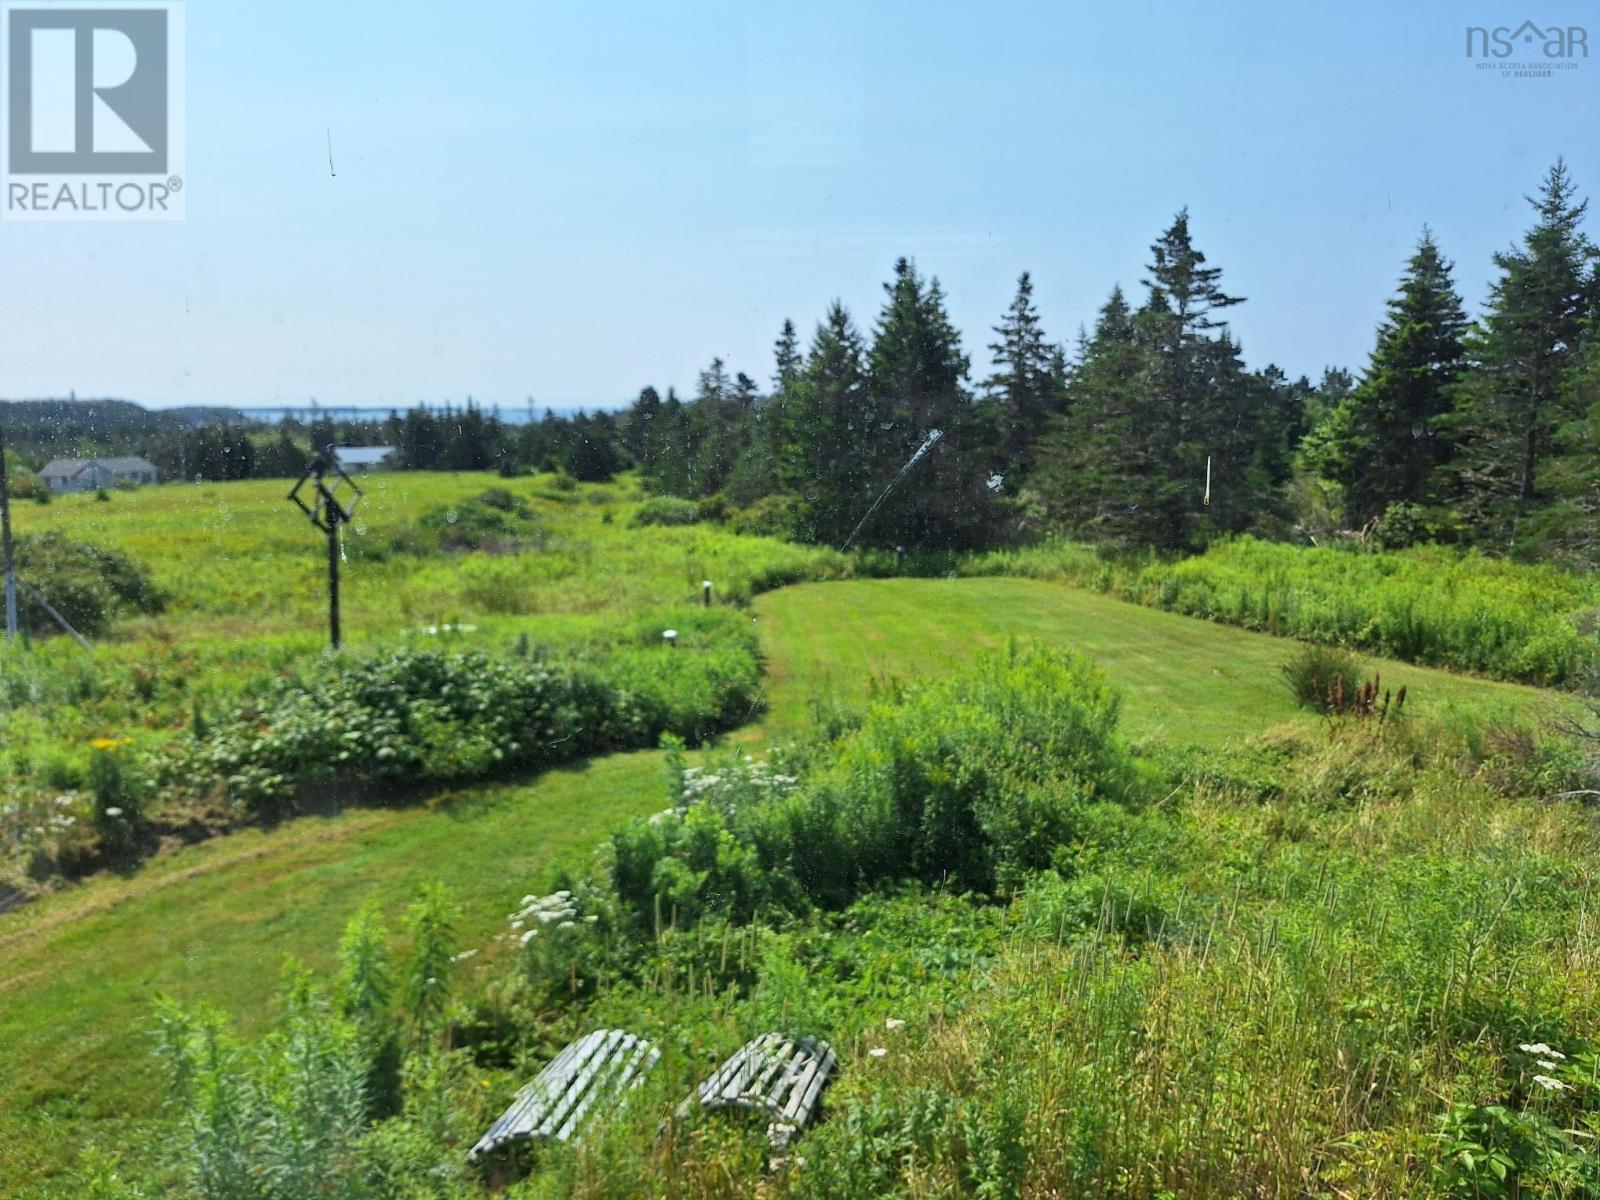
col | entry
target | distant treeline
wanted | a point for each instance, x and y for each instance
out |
(1149, 431)
(221, 444)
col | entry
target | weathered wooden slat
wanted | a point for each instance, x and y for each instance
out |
(588, 1076)
(773, 1073)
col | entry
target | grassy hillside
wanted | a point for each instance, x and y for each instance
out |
(215, 921)
(78, 970)
(1184, 680)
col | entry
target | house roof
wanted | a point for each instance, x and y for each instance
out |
(66, 468)
(362, 456)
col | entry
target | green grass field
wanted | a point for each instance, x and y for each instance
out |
(1183, 680)
(80, 969)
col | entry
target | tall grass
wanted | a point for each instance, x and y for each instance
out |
(1434, 605)
(1377, 977)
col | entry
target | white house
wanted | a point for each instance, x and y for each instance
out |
(89, 474)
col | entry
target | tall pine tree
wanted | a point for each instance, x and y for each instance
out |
(1025, 389)
(1516, 395)
(917, 372)
(1385, 441)
(826, 461)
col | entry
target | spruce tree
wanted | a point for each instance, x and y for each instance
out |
(1387, 439)
(1093, 479)
(826, 460)
(1156, 396)
(917, 371)
(639, 420)
(1025, 389)
(1516, 396)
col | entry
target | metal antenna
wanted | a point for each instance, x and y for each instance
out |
(927, 444)
(322, 504)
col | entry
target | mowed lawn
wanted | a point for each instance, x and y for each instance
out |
(78, 971)
(1182, 679)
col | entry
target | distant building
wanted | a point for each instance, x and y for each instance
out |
(90, 474)
(362, 458)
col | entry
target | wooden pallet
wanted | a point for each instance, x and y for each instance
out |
(586, 1078)
(774, 1073)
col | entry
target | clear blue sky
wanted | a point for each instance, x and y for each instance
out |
(572, 200)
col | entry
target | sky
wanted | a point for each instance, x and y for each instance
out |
(570, 201)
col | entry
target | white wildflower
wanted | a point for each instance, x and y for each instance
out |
(894, 1023)
(1551, 1085)
(1548, 1065)
(113, 811)
(529, 936)
(464, 955)
(877, 1052)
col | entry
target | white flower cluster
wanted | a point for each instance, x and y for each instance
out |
(558, 908)
(1540, 1050)
(1549, 1060)
(448, 628)
(730, 784)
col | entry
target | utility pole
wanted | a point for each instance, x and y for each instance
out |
(9, 561)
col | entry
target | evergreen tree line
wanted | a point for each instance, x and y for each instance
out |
(590, 447)
(1153, 431)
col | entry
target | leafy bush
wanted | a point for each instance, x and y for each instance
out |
(666, 510)
(972, 783)
(770, 516)
(291, 1117)
(1404, 524)
(89, 585)
(495, 520)
(28, 487)
(411, 717)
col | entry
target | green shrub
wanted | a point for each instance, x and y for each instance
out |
(494, 520)
(1319, 677)
(666, 510)
(972, 783)
(770, 516)
(1404, 524)
(410, 717)
(118, 809)
(89, 585)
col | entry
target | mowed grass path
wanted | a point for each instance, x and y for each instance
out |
(1182, 679)
(78, 971)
